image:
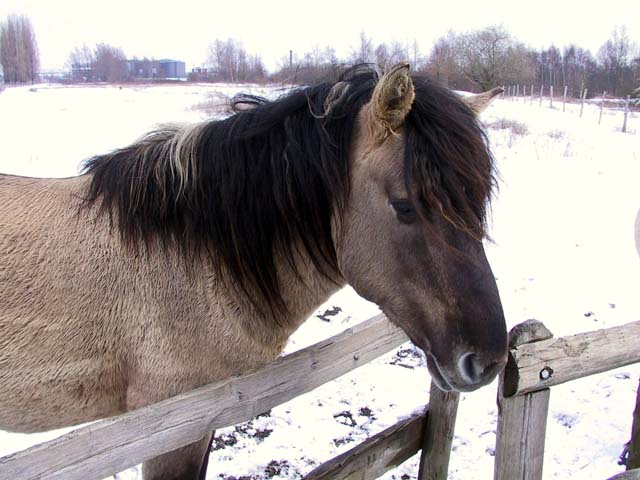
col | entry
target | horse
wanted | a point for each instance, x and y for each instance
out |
(194, 253)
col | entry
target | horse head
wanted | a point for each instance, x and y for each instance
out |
(410, 235)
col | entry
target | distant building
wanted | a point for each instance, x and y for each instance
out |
(202, 74)
(81, 72)
(157, 69)
(53, 75)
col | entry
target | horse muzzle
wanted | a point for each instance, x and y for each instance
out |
(466, 372)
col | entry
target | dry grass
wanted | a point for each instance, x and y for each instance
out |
(556, 134)
(516, 128)
(216, 104)
(512, 128)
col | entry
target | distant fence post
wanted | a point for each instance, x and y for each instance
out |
(531, 98)
(517, 90)
(438, 436)
(541, 92)
(564, 99)
(524, 93)
(584, 97)
(626, 114)
(522, 419)
(604, 94)
(551, 96)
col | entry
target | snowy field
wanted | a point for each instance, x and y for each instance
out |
(562, 251)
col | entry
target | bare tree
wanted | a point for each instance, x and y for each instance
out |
(230, 62)
(413, 54)
(615, 57)
(364, 51)
(549, 67)
(442, 62)
(635, 67)
(491, 57)
(18, 50)
(387, 55)
(382, 56)
(110, 64)
(81, 62)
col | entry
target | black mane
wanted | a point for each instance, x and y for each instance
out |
(269, 178)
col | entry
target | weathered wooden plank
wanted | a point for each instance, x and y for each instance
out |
(377, 455)
(522, 420)
(539, 365)
(628, 475)
(441, 422)
(111, 445)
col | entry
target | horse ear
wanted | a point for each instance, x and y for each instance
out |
(392, 99)
(479, 102)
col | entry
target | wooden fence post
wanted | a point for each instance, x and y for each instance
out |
(551, 96)
(531, 98)
(564, 99)
(438, 435)
(524, 93)
(584, 97)
(522, 419)
(604, 94)
(626, 114)
(541, 92)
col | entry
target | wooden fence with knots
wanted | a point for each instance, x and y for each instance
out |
(537, 361)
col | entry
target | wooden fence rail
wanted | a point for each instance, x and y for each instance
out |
(534, 366)
(378, 454)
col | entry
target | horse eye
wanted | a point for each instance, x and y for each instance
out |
(404, 210)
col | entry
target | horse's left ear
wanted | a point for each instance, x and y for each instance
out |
(392, 99)
(478, 103)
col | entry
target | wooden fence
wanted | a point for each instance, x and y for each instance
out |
(626, 106)
(537, 361)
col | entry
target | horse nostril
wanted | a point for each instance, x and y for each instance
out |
(470, 368)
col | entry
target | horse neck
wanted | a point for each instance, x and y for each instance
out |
(303, 291)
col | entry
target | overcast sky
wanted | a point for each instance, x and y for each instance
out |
(182, 29)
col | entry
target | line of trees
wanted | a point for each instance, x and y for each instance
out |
(18, 50)
(475, 60)
(486, 58)
(615, 68)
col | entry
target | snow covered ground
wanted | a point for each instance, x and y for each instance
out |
(563, 253)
